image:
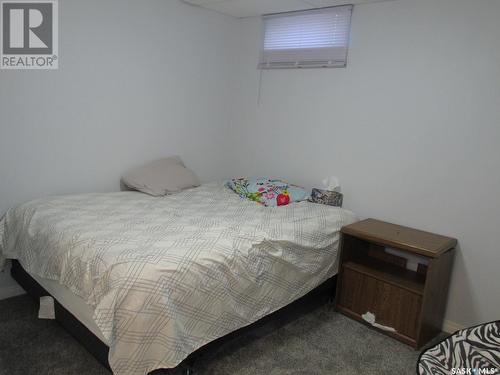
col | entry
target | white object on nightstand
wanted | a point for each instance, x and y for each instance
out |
(331, 183)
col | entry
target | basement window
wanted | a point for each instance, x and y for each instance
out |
(316, 38)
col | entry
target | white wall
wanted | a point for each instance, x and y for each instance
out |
(137, 80)
(411, 127)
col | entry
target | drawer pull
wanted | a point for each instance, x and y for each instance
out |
(370, 318)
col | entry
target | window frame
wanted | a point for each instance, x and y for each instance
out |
(293, 58)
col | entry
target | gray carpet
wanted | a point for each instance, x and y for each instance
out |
(320, 342)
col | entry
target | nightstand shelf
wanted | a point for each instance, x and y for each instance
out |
(389, 273)
(409, 303)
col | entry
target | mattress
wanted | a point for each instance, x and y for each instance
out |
(164, 276)
(73, 303)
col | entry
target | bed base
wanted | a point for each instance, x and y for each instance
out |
(317, 297)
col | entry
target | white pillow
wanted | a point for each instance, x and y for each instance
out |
(161, 177)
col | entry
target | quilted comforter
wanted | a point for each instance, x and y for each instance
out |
(166, 275)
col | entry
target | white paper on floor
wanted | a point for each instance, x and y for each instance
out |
(46, 308)
(370, 318)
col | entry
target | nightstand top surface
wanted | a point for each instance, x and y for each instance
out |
(399, 237)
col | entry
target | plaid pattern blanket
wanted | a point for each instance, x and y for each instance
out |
(166, 275)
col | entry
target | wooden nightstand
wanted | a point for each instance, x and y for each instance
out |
(372, 280)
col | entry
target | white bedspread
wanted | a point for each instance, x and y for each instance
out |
(168, 275)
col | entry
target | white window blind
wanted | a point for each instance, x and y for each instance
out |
(307, 39)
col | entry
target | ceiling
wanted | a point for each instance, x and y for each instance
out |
(251, 8)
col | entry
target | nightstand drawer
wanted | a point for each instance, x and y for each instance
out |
(392, 305)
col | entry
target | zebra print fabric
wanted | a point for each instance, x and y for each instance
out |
(474, 351)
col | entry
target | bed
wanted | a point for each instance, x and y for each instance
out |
(157, 278)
